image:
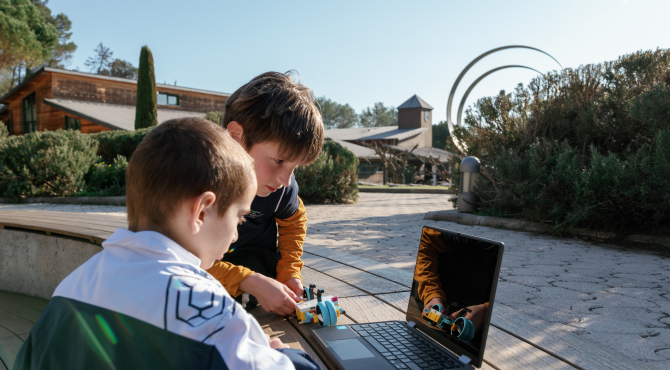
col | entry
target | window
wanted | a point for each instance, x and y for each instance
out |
(29, 114)
(72, 124)
(373, 167)
(168, 99)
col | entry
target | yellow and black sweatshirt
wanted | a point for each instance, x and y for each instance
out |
(276, 226)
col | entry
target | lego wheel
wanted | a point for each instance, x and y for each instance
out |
(332, 311)
(322, 314)
(438, 307)
(465, 329)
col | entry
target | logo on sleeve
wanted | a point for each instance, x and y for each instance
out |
(193, 300)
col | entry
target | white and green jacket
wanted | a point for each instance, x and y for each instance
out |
(144, 303)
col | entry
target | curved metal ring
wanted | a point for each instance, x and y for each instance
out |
(467, 92)
(461, 146)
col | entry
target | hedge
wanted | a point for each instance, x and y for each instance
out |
(332, 178)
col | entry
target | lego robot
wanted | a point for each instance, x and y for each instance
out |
(317, 307)
(461, 328)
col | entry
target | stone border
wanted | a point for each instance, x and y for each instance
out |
(405, 190)
(537, 227)
(34, 263)
(98, 201)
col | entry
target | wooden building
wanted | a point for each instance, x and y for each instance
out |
(55, 98)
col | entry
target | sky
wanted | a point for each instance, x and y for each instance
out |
(362, 52)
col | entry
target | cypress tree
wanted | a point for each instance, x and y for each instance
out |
(145, 107)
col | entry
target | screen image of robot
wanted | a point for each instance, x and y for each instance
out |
(452, 287)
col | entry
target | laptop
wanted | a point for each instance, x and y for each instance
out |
(457, 271)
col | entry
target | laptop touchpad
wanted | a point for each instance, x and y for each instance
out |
(350, 349)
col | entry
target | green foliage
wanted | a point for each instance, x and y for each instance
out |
(379, 115)
(106, 179)
(45, 163)
(332, 178)
(336, 115)
(147, 97)
(216, 117)
(440, 135)
(118, 143)
(587, 148)
(121, 68)
(26, 34)
(4, 133)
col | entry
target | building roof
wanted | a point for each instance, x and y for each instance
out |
(414, 102)
(436, 153)
(358, 150)
(92, 75)
(112, 116)
(373, 133)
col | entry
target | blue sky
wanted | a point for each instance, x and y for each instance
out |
(361, 52)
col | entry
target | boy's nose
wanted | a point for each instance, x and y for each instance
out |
(285, 179)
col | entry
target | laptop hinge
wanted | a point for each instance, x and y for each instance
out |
(464, 359)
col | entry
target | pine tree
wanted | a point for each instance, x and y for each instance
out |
(145, 108)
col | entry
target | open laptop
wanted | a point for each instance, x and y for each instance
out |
(461, 270)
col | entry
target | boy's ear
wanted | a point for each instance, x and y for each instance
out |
(201, 205)
(236, 131)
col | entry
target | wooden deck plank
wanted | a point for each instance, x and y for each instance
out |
(391, 273)
(369, 309)
(100, 219)
(277, 327)
(397, 300)
(62, 222)
(77, 232)
(556, 339)
(362, 280)
(331, 285)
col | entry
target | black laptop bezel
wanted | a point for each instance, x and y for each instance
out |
(452, 346)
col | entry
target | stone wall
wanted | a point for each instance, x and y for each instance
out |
(33, 263)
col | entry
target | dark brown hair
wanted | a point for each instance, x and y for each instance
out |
(272, 107)
(181, 159)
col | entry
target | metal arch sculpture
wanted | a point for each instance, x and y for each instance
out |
(459, 145)
(467, 92)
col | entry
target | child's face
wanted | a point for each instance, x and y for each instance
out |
(272, 170)
(221, 231)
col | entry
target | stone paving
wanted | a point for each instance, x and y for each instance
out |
(617, 297)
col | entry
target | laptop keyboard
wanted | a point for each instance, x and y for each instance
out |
(403, 348)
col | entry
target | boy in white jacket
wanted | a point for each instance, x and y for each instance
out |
(146, 301)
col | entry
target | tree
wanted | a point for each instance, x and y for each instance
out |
(121, 68)
(101, 61)
(440, 135)
(378, 116)
(26, 34)
(145, 108)
(62, 53)
(336, 115)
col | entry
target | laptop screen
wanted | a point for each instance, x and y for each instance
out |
(453, 289)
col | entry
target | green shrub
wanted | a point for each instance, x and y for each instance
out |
(115, 143)
(586, 148)
(216, 117)
(45, 163)
(106, 179)
(332, 178)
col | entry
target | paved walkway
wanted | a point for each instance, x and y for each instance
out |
(617, 297)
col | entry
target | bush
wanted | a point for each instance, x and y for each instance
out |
(106, 179)
(115, 143)
(587, 148)
(332, 178)
(45, 163)
(216, 117)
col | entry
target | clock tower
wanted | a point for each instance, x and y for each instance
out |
(415, 114)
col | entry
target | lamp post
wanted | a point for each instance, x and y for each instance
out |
(470, 169)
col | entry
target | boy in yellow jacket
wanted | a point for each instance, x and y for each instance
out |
(278, 124)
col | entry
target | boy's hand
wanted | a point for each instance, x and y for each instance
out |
(431, 303)
(295, 285)
(272, 295)
(276, 343)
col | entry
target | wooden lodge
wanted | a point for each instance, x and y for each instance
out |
(54, 99)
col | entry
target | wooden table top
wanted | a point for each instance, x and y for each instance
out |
(370, 291)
